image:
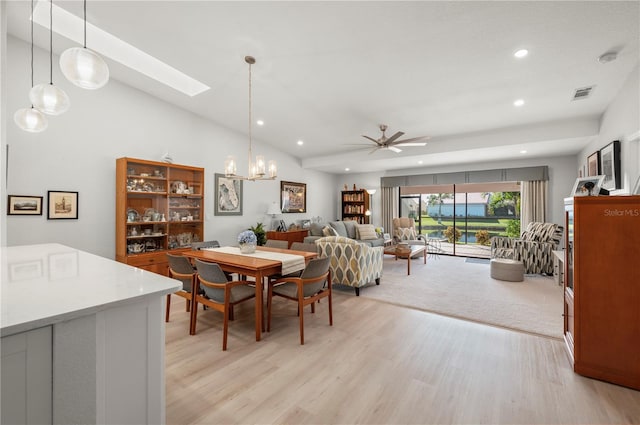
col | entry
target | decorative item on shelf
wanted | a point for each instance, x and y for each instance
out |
(135, 248)
(46, 97)
(587, 186)
(30, 119)
(82, 66)
(247, 242)
(354, 187)
(258, 170)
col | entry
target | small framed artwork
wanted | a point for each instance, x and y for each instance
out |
(24, 205)
(228, 196)
(62, 205)
(305, 224)
(587, 186)
(610, 165)
(293, 197)
(593, 164)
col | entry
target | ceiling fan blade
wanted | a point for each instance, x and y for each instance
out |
(403, 143)
(374, 149)
(413, 139)
(358, 144)
(393, 148)
(394, 137)
(372, 139)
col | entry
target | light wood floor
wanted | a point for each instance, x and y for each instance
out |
(378, 364)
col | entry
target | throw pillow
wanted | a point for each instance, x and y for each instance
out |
(367, 232)
(406, 234)
(329, 231)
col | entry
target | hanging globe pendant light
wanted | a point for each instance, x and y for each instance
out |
(48, 98)
(30, 119)
(82, 66)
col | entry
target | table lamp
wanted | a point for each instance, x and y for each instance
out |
(273, 210)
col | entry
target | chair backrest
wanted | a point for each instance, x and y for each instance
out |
(211, 272)
(180, 265)
(304, 246)
(207, 244)
(315, 268)
(404, 228)
(543, 232)
(277, 244)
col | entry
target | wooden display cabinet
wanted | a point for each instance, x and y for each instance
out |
(602, 287)
(159, 209)
(355, 204)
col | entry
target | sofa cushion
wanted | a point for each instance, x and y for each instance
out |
(352, 228)
(329, 231)
(366, 232)
(340, 228)
(316, 229)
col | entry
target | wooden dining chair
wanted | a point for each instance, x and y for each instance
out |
(214, 290)
(304, 246)
(180, 268)
(305, 290)
(277, 244)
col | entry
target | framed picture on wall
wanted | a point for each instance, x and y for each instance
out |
(293, 197)
(593, 164)
(62, 205)
(228, 196)
(636, 187)
(24, 205)
(610, 165)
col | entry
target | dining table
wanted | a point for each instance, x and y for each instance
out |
(248, 265)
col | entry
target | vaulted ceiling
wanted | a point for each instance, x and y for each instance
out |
(329, 72)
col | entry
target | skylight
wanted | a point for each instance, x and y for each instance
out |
(71, 27)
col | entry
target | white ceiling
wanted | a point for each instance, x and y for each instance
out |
(328, 72)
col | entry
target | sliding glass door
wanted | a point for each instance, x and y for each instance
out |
(461, 219)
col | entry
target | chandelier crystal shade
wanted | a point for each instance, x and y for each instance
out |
(259, 169)
(30, 119)
(46, 97)
(84, 67)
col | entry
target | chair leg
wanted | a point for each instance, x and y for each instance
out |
(357, 292)
(188, 306)
(226, 328)
(269, 300)
(330, 311)
(313, 307)
(194, 318)
(301, 310)
(166, 316)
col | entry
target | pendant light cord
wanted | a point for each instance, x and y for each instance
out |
(32, 45)
(51, 42)
(85, 24)
(250, 118)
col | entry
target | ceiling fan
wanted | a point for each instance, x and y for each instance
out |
(392, 142)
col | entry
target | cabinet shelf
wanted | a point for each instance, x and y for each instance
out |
(143, 185)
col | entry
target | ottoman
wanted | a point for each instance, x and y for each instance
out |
(505, 269)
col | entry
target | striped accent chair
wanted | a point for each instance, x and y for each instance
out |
(534, 247)
(352, 263)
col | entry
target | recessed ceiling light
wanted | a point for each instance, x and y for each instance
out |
(260, 122)
(521, 53)
(300, 142)
(346, 169)
(518, 102)
(72, 27)
(420, 162)
(523, 151)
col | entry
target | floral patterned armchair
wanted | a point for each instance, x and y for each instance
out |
(534, 247)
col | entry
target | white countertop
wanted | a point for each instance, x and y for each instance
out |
(49, 283)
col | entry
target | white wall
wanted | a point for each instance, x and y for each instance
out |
(621, 121)
(78, 151)
(562, 175)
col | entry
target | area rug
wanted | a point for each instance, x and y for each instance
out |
(454, 287)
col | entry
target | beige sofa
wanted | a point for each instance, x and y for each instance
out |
(352, 263)
(346, 229)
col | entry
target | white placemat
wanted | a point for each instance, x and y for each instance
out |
(290, 262)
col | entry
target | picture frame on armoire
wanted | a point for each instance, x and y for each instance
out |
(610, 166)
(593, 164)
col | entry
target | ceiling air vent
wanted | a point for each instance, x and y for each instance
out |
(583, 93)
